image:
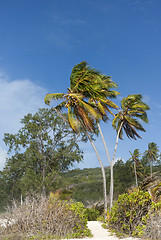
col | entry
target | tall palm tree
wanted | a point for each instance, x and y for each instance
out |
(87, 103)
(132, 109)
(152, 154)
(135, 159)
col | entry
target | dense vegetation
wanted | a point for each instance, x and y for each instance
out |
(136, 214)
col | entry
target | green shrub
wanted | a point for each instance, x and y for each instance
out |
(92, 214)
(130, 212)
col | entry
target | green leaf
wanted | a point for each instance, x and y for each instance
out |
(52, 96)
(74, 123)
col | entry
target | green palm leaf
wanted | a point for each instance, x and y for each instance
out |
(52, 96)
(90, 109)
(132, 108)
(134, 123)
(74, 123)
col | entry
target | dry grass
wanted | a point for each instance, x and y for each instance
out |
(153, 226)
(44, 216)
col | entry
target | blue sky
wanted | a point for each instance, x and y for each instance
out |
(41, 41)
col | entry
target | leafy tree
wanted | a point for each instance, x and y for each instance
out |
(42, 148)
(123, 178)
(151, 154)
(132, 108)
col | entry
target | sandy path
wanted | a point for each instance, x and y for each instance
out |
(100, 233)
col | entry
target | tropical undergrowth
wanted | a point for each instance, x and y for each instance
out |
(45, 218)
(136, 214)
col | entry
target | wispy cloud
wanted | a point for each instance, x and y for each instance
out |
(17, 98)
(60, 33)
(59, 38)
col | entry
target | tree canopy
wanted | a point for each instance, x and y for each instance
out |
(43, 148)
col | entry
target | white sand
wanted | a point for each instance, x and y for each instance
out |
(100, 233)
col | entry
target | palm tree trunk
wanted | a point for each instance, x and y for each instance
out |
(108, 156)
(136, 179)
(112, 164)
(151, 171)
(103, 175)
(100, 162)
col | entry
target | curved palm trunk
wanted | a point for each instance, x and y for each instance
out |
(108, 156)
(151, 171)
(136, 179)
(112, 164)
(101, 164)
(103, 175)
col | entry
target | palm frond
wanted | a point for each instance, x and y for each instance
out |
(52, 96)
(139, 114)
(60, 106)
(85, 119)
(90, 109)
(134, 123)
(130, 131)
(74, 123)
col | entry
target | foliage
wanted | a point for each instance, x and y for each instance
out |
(138, 168)
(86, 99)
(43, 148)
(151, 155)
(85, 184)
(130, 212)
(46, 216)
(123, 177)
(92, 214)
(136, 214)
(132, 108)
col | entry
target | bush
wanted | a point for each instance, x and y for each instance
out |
(46, 217)
(130, 212)
(92, 214)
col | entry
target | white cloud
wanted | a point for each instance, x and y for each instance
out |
(17, 98)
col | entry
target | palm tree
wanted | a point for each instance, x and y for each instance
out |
(99, 92)
(135, 159)
(152, 154)
(132, 108)
(87, 103)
